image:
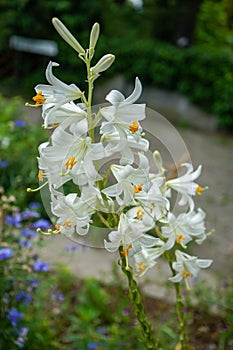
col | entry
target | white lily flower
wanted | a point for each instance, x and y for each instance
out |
(73, 212)
(74, 150)
(129, 235)
(130, 181)
(68, 113)
(186, 185)
(187, 266)
(146, 258)
(120, 139)
(152, 199)
(184, 228)
(56, 94)
(123, 110)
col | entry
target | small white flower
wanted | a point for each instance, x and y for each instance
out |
(74, 150)
(183, 228)
(187, 266)
(129, 235)
(68, 113)
(120, 139)
(129, 181)
(146, 258)
(73, 212)
(57, 93)
(186, 185)
(152, 199)
(123, 110)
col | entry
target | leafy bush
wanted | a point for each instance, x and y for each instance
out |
(18, 139)
(203, 72)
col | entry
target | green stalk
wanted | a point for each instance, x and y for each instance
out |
(183, 337)
(138, 308)
(89, 100)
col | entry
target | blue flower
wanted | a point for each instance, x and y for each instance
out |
(24, 297)
(33, 284)
(14, 220)
(58, 296)
(28, 214)
(29, 233)
(5, 253)
(14, 316)
(42, 224)
(25, 243)
(4, 163)
(73, 247)
(22, 335)
(41, 266)
(93, 346)
(34, 205)
(19, 123)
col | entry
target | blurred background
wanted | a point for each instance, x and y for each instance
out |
(177, 45)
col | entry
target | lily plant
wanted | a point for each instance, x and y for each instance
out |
(134, 202)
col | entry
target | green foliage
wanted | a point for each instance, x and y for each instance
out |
(100, 319)
(18, 140)
(213, 25)
(203, 71)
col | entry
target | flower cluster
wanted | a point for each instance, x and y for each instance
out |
(129, 197)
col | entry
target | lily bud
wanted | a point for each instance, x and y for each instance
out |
(94, 35)
(104, 63)
(67, 36)
(158, 162)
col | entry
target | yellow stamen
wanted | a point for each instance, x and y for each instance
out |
(137, 188)
(141, 266)
(71, 161)
(139, 213)
(186, 274)
(39, 99)
(57, 227)
(40, 175)
(180, 238)
(67, 223)
(134, 127)
(125, 252)
(199, 190)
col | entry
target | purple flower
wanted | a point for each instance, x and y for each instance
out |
(25, 243)
(102, 330)
(24, 297)
(14, 220)
(33, 284)
(29, 233)
(22, 335)
(34, 205)
(42, 224)
(4, 163)
(19, 123)
(28, 214)
(73, 247)
(58, 296)
(14, 316)
(5, 253)
(93, 346)
(41, 266)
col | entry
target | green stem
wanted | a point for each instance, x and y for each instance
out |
(89, 100)
(138, 308)
(183, 337)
